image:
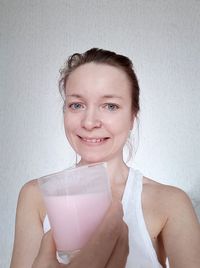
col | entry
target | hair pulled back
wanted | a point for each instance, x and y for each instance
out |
(101, 56)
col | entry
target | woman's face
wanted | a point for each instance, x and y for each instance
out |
(98, 114)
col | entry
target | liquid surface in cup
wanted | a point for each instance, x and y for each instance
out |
(74, 218)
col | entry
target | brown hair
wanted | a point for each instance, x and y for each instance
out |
(101, 56)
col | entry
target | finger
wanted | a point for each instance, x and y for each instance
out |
(47, 246)
(47, 253)
(120, 253)
(99, 249)
(114, 214)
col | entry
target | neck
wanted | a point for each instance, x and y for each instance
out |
(118, 173)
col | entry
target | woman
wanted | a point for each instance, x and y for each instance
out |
(101, 95)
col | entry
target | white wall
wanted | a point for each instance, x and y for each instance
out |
(162, 38)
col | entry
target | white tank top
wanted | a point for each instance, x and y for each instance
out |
(141, 251)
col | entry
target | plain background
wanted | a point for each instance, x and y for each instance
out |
(163, 40)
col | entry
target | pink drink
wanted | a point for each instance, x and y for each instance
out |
(74, 218)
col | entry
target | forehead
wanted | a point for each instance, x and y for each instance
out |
(98, 77)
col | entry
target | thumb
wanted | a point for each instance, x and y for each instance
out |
(47, 246)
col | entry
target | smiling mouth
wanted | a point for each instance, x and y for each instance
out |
(93, 140)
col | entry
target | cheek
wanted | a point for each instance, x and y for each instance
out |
(120, 124)
(69, 130)
(65, 122)
(68, 124)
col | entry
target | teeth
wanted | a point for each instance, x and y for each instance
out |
(93, 140)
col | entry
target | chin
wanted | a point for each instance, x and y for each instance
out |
(92, 159)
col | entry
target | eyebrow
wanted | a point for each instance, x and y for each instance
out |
(74, 96)
(103, 97)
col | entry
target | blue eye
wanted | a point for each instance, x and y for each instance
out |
(76, 106)
(111, 106)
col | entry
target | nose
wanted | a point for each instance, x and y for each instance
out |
(91, 119)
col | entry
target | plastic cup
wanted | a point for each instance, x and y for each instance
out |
(76, 201)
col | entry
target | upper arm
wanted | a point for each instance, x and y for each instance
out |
(181, 233)
(28, 226)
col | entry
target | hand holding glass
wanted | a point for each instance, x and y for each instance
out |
(76, 201)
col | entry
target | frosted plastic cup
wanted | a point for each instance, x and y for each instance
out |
(76, 201)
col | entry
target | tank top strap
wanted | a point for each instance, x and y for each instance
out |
(141, 251)
(132, 191)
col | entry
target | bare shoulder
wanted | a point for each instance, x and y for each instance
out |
(171, 219)
(28, 226)
(30, 190)
(166, 196)
(170, 209)
(30, 186)
(30, 197)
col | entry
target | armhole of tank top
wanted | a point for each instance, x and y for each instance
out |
(46, 224)
(143, 227)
